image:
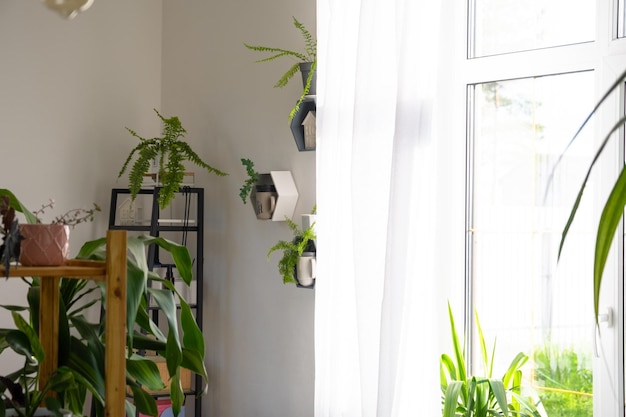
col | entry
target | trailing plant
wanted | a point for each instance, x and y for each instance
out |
(170, 150)
(309, 54)
(478, 396)
(613, 208)
(252, 179)
(71, 217)
(303, 241)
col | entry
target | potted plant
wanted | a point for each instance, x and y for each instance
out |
(82, 351)
(170, 150)
(22, 395)
(35, 242)
(306, 63)
(473, 396)
(298, 256)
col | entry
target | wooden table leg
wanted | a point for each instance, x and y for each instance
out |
(49, 326)
(115, 327)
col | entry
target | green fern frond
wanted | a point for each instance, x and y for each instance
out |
(278, 53)
(140, 167)
(186, 150)
(284, 80)
(305, 92)
(309, 42)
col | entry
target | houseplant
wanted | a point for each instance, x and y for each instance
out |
(37, 243)
(48, 244)
(293, 250)
(170, 150)
(477, 396)
(306, 63)
(22, 395)
(82, 351)
(613, 209)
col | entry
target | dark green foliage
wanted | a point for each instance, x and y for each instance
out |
(292, 250)
(253, 177)
(171, 151)
(565, 386)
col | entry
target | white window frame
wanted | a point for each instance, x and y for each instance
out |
(607, 58)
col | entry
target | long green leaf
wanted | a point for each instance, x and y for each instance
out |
(497, 387)
(451, 398)
(610, 218)
(145, 371)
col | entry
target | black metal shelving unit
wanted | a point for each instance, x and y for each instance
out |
(154, 227)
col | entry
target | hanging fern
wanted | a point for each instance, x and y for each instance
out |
(171, 151)
(308, 55)
(292, 250)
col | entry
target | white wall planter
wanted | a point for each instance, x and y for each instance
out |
(286, 196)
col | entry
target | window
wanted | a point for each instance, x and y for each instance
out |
(535, 72)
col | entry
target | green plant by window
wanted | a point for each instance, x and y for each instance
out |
(481, 396)
(171, 151)
(253, 177)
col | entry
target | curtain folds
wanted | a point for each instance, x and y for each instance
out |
(376, 159)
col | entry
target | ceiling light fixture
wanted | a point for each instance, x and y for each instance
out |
(68, 8)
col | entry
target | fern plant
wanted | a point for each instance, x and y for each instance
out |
(171, 151)
(308, 55)
(292, 250)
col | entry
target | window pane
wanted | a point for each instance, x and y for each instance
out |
(502, 26)
(522, 297)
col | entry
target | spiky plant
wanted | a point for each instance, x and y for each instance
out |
(308, 55)
(171, 151)
(292, 250)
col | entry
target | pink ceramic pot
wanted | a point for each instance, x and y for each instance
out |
(44, 244)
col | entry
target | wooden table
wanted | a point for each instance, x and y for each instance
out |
(113, 273)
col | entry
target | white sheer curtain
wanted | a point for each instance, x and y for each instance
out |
(376, 184)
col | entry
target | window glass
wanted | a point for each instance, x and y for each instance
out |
(501, 26)
(520, 127)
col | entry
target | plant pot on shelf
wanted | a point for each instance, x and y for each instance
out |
(305, 70)
(44, 244)
(306, 270)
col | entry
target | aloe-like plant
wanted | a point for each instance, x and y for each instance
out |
(308, 55)
(613, 209)
(482, 396)
(170, 150)
(293, 249)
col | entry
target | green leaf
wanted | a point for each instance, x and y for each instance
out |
(500, 394)
(610, 218)
(451, 398)
(145, 371)
(144, 402)
(35, 344)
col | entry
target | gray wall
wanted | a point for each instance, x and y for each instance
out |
(68, 89)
